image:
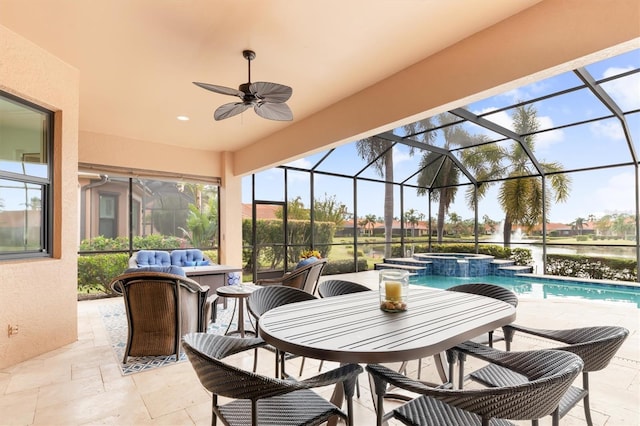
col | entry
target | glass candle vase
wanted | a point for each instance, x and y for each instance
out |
(394, 290)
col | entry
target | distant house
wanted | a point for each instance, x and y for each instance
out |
(263, 211)
(564, 230)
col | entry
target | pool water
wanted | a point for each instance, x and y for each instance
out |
(543, 288)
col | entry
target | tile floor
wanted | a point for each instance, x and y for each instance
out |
(81, 383)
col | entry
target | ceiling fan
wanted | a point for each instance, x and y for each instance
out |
(267, 99)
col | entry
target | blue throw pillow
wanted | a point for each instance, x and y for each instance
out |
(188, 263)
(176, 270)
(305, 262)
(202, 262)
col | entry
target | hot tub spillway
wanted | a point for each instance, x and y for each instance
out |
(447, 264)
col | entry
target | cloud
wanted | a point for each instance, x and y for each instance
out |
(543, 140)
(529, 91)
(617, 194)
(607, 129)
(623, 90)
(400, 156)
(301, 163)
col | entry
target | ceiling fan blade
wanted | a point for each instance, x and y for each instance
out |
(220, 89)
(274, 111)
(271, 92)
(229, 110)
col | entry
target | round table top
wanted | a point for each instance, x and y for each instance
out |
(239, 290)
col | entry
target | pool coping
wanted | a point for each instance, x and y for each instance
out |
(605, 283)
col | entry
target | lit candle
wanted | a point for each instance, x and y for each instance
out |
(393, 290)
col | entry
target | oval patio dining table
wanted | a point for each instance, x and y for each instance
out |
(353, 329)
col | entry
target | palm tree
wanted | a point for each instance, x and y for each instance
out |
(578, 225)
(380, 152)
(440, 172)
(369, 221)
(202, 224)
(413, 217)
(522, 198)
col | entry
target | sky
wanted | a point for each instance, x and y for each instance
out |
(590, 145)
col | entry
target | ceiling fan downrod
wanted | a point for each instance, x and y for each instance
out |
(249, 55)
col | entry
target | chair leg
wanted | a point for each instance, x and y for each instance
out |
(214, 417)
(277, 372)
(585, 402)
(301, 366)
(452, 356)
(508, 337)
(255, 360)
(555, 417)
(461, 359)
(214, 311)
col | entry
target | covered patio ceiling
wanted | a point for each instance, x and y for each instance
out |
(357, 68)
(138, 58)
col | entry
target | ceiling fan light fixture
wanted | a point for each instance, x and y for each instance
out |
(267, 99)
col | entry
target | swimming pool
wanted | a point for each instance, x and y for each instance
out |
(543, 288)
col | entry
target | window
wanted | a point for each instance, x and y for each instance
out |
(108, 224)
(161, 212)
(25, 178)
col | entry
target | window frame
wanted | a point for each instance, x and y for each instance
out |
(46, 183)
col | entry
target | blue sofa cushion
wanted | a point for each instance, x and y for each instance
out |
(305, 262)
(188, 257)
(176, 270)
(153, 258)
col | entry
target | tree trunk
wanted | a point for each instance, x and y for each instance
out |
(508, 226)
(440, 225)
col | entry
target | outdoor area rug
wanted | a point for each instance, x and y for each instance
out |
(114, 319)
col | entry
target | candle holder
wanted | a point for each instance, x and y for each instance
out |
(394, 290)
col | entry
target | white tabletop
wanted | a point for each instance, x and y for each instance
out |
(352, 328)
(239, 290)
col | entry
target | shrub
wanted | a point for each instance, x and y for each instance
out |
(519, 255)
(95, 272)
(148, 242)
(598, 268)
(344, 266)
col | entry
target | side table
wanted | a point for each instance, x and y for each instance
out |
(240, 292)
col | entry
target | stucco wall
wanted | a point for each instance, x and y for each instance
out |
(96, 148)
(40, 296)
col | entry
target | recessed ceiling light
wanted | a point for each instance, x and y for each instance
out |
(182, 118)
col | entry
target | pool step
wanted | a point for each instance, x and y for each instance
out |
(513, 270)
(412, 269)
(418, 267)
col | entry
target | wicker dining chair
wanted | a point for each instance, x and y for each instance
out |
(304, 278)
(488, 290)
(549, 374)
(595, 345)
(261, 400)
(330, 288)
(263, 300)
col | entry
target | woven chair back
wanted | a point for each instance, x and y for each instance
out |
(331, 288)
